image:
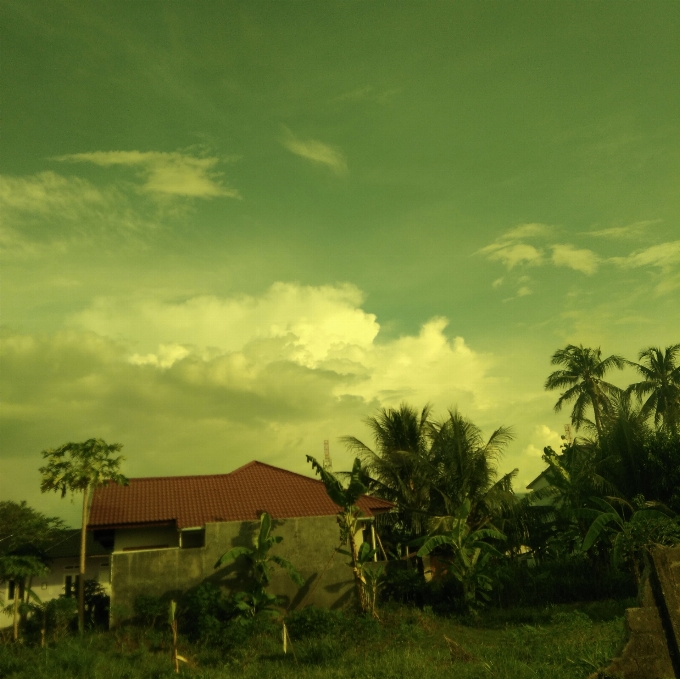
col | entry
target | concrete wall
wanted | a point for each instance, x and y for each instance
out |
(309, 543)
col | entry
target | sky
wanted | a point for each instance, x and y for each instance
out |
(231, 230)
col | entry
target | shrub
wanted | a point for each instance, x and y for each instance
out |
(315, 622)
(149, 609)
(404, 586)
(204, 610)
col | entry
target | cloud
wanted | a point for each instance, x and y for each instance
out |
(173, 174)
(316, 151)
(47, 210)
(631, 231)
(222, 380)
(512, 254)
(582, 260)
(665, 256)
(511, 251)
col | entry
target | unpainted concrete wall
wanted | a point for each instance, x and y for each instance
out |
(309, 543)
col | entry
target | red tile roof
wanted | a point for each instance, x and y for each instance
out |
(239, 496)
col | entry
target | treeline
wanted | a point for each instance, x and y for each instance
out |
(604, 499)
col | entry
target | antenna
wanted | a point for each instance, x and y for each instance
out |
(327, 462)
(567, 433)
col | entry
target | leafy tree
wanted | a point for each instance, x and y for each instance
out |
(647, 524)
(660, 386)
(258, 556)
(80, 468)
(470, 553)
(583, 378)
(22, 528)
(348, 516)
(19, 569)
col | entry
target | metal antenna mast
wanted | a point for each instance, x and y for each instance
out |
(327, 462)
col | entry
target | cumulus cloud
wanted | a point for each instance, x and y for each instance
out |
(582, 260)
(174, 174)
(316, 151)
(222, 380)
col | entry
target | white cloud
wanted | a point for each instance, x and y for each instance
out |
(512, 254)
(582, 260)
(176, 174)
(631, 231)
(316, 151)
(523, 291)
(46, 210)
(665, 256)
(321, 329)
(511, 251)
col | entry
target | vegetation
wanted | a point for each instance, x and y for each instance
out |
(542, 564)
(79, 468)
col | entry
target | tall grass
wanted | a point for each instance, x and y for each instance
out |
(560, 642)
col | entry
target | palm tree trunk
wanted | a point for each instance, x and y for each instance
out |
(15, 624)
(81, 570)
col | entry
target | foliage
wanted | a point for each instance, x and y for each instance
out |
(660, 386)
(583, 377)
(260, 561)
(79, 468)
(631, 537)
(23, 528)
(348, 517)
(149, 609)
(469, 562)
(407, 643)
(203, 611)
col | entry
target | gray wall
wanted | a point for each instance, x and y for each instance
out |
(308, 543)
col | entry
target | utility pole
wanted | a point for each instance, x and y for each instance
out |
(327, 462)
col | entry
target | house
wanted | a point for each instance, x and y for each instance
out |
(165, 534)
(62, 577)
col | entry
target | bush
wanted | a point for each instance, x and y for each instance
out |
(204, 611)
(315, 622)
(149, 609)
(404, 586)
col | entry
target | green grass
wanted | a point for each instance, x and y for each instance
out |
(559, 642)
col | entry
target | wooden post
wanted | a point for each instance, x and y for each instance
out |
(81, 570)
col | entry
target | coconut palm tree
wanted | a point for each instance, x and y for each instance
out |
(583, 376)
(660, 385)
(465, 469)
(80, 468)
(399, 466)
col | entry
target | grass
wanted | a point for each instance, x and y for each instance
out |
(558, 642)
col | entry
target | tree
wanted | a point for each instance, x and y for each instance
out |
(583, 376)
(399, 468)
(22, 527)
(80, 468)
(465, 469)
(19, 569)
(470, 552)
(348, 516)
(660, 386)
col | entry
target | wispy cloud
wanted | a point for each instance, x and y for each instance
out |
(582, 260)
(510, 249)
(629, 232)
(173, 174)
(665, 256)
(316, 151)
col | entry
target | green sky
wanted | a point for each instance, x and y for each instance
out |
(233, 230)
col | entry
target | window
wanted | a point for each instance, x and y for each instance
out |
(11, 589)
(71, 585)
(192, 538)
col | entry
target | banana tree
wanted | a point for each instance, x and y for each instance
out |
(648, 524)
(19, 569)
(348, 517)
(258, 556)
(471, 554)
